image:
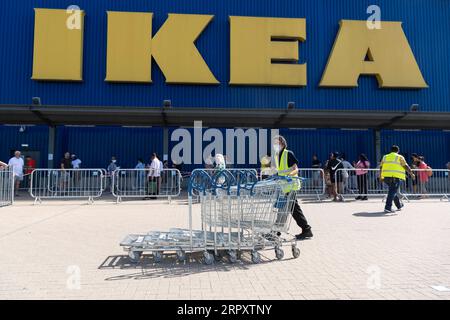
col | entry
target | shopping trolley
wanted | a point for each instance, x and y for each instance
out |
(238, 214)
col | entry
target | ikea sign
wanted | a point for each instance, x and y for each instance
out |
(263, 51)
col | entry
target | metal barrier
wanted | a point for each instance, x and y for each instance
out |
(138, 183)
(6, 187)
(313, 183)
(427, 183)
(359, 183)
(66, 184)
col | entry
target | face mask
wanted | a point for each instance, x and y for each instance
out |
(277, 148)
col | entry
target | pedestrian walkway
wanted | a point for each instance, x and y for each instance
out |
(70, 249)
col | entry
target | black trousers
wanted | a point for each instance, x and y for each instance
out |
(299, 217)
(362, 184)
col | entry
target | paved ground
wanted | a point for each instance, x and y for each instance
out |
(357, 253)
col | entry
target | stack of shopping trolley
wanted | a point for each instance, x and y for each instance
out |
(238, 214)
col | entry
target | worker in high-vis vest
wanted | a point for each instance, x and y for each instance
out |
(393, 173)
(287, 166)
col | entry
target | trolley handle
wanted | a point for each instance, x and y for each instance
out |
(229, 180)
(246, 181)
(199, 181)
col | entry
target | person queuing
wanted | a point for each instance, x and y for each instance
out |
(76, 162)
(220, 162)
(154, 175)
(317, 175)
(415, 161)
(17, 165)
(333, 165)
(361, 175)
(393, 173)
(345, 174)
(113, 166)
(424, 173)
(287, 165)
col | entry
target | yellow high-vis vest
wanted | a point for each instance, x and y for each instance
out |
(283, 170)
(392, 167)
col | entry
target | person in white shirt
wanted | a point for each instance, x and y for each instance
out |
(76, 162)
(17, 165)
(154, 175)
(345, 173)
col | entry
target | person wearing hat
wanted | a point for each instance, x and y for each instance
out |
(287, 165)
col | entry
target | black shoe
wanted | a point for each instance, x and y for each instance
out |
(364, 198)
(358, 198)
(270, 236)
(304, 235)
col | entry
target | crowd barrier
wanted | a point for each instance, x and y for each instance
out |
(139, 183)
(367, 183)
(67, 184)
(359, 183)
(313, 183)
(6, 187)
(427, 183)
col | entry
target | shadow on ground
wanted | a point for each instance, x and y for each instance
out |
(171, 268)
(381, 214)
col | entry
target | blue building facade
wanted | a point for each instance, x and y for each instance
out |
(425, 23)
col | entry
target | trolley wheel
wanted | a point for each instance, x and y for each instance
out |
(208, 258)
(232, 256)
(134, 256)
(218, 257)
(256, 257)
(157, 256)
(181, 256)
(295, 252)
(279, 253)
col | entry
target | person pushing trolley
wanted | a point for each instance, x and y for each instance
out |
(287, 166)
(393, 173)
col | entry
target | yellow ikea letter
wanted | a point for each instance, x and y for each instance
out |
(384, 53)
(175, 53)
(130, 48)
(258, 59)
(58, 45)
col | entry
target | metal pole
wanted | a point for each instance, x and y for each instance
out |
(166, 142)
(51, 146)
(377, 138)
